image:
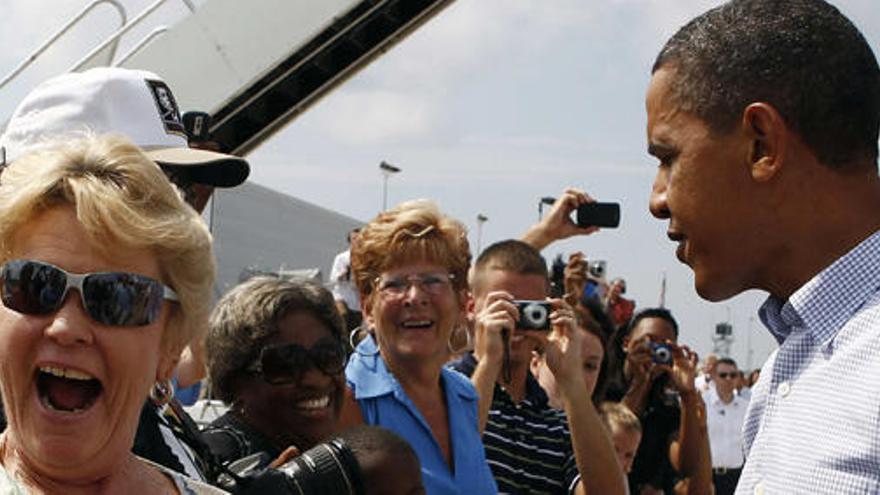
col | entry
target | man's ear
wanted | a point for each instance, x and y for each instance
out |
(470, 303)
(768, 134)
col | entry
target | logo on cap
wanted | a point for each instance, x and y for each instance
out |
(167, 107)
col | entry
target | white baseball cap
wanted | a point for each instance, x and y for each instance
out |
(134, 103)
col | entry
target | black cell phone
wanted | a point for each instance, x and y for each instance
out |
(598, 215)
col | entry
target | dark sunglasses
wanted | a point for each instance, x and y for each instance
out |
(286, 363)
(110, 298)
(181, 178)
(727, 375)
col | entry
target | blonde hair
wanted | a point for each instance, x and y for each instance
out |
(412, 231)
(615, 414)
(122, 198)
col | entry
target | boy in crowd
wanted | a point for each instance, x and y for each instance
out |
(625, 431)
(530, 446)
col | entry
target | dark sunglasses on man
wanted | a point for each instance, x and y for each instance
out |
(283, 364)
(110, 298)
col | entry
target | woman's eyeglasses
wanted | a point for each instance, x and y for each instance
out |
(286, 363)
(394, 287)
(110, 298)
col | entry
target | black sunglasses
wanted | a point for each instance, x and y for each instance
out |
(110, 298)
(286, 363)
(727, 375)
(181, 178)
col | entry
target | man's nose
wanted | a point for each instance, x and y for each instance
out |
(657, 204)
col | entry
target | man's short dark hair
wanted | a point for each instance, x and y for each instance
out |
(661, 313)
(728, 361)
(511, 256)
(803, 57)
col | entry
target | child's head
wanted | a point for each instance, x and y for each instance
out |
(389, 466)
(625, 430)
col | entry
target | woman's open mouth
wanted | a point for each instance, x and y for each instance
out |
(66, 390)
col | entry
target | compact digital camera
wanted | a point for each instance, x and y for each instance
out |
(533, 315)
(597, 268)
(661, 353)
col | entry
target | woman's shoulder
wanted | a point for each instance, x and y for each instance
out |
(457, 382)
(184, 485)
(187, 486)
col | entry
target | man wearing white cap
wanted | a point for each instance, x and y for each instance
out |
(139, 105)
(134, 103)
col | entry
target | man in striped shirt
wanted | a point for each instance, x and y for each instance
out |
(532, 448)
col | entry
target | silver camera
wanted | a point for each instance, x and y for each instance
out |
(597, 268)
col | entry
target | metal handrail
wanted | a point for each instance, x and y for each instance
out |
(114, 38)
(39, 51)
(140, 44)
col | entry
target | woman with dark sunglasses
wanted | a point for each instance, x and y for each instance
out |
(410, 265)
(105, 275)
(276, 357)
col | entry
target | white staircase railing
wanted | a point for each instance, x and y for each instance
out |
(109, 46)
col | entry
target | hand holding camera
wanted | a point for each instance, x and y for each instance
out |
(562, 347)
(684, 369)
(575, 277)
(498, 315)
(558, 223)
(650, 359)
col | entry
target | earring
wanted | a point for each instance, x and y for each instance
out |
(355, 335)
(467, 342)
(162, 392)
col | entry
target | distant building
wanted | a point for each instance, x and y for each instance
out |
(257, 229)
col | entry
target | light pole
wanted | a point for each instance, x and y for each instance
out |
(387, 171)
(546, 200)
(481, 219)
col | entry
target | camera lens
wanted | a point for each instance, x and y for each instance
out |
(661, 354)
(326, 468)
(535, 315)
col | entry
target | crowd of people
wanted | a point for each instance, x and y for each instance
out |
(423, 367)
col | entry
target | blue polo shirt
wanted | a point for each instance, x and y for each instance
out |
(383, 402)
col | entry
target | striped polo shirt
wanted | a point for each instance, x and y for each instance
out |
(528, 445)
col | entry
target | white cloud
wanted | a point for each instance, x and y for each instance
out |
(360, 116)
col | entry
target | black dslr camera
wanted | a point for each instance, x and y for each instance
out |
(330, 467)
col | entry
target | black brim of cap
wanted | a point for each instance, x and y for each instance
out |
(203, 166)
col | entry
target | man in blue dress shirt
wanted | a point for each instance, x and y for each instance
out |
(764, 118)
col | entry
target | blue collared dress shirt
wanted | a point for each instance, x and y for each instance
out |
(383, 402)
(813, 424)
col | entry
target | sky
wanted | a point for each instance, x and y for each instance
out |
(488, 107)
